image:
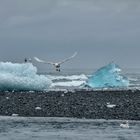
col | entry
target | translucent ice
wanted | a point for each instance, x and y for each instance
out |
(14, 76)
(108, 76)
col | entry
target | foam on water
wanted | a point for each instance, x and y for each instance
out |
(68, 84)
(15, 76)
(68, 81)
(70, 77)
(108, 76)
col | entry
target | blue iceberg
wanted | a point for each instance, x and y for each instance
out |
(14, 76)
(108, 76)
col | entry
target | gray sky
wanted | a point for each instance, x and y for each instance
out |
(100, 31)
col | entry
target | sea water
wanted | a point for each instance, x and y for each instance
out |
(74, 78)
(20, 128)
(25, 76)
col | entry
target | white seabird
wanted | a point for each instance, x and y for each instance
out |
(57, 64)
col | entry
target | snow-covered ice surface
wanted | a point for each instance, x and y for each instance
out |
(20, 128)
(15, 76)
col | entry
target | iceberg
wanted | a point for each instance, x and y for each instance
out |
(108, 76)
(15, 76)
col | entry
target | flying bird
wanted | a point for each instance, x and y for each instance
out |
(57, 65)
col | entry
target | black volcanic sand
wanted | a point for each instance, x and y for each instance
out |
(81, 104)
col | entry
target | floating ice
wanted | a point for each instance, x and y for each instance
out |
(108, 77)
(125, 125)
(14, 76)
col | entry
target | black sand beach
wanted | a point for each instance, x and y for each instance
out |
(123, 104)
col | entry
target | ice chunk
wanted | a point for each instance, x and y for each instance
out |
(14, 76)
(38, 108)
(15, 115)
(108, 76)
(110, 105)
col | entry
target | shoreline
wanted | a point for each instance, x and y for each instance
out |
(111, 104)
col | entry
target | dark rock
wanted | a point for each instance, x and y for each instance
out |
(80, 104)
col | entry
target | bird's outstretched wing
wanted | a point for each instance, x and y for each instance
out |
(42, 61)
(68, 58)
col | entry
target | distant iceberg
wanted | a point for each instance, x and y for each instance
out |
(14, 76)
(108, 76)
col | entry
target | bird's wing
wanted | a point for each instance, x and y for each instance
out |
(68, 58)
(42, 61)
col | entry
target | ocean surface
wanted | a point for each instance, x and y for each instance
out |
(74, 78)
(26, 76)
(20, 128)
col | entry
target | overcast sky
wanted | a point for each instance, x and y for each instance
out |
(100, 31)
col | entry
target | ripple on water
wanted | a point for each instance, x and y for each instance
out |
(20, 128)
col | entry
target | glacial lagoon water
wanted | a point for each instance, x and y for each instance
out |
(20, 128)
(15, 76)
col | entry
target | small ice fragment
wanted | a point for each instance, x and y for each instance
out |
(15, 115)
(7, 98)
(31, 91)
(124, 125)
(66, 91)
(62, 95)
(110, 105)
(105, 88)
(38, 108)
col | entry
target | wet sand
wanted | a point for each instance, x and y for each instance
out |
(123, 104)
